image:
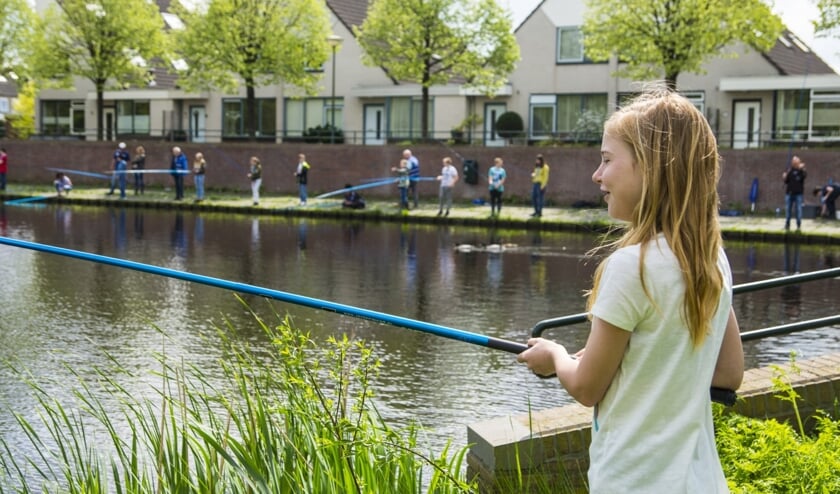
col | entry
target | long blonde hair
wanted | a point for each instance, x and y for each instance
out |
(675, 148)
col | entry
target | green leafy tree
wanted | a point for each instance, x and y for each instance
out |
(22, 120)
(433, 42)
(16, 20)
(112, 43)
(829, 20)
(663, 38)
(253, 43)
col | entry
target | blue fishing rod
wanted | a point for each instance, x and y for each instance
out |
(347, 310)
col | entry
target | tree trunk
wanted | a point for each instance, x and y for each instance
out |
(250, 110)
(100, 110)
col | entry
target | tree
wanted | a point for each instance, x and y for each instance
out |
(109, 42)
(663, 38)
(510, 125)
(255, 43)
(433, 42)
(829, 20)
(16, 19)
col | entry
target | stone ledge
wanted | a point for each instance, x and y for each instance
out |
(553, 444)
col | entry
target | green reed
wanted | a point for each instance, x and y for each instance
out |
(294, 417)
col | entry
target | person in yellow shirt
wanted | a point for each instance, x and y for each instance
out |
(539, 177)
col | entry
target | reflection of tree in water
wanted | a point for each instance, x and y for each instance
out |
(138, 224)
(792, 294)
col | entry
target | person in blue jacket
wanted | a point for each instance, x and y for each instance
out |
(179, 168)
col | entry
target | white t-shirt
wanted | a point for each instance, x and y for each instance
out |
(652, 432)
(448, 176)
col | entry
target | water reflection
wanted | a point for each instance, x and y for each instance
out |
(413, 271)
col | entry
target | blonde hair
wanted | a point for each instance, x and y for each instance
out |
(675, 148)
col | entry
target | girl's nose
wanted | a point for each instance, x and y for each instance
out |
(596, 177)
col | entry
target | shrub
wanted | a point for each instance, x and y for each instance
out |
(509, 125)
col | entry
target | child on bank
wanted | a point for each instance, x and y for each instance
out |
(62, 183)
(663, 329)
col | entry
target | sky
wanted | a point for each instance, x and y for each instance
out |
(796, 14)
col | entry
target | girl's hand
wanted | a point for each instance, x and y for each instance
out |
(541, 356)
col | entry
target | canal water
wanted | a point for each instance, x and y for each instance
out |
(59, 314)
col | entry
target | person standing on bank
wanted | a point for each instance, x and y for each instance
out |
(447, 178)
(794, 178)
(403, 182)
(539, 178)
(496, 177)
(199, 170)
(139, 163)
(663, 328)
(179, 168)
(413, 176)
(256, 179)
(121, 154)
(4, 168)
(121, 172)
(302, 174)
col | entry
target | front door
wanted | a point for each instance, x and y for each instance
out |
(491, 115)
(374, 125)
(197, 123)
(109, 121)
(746, 125)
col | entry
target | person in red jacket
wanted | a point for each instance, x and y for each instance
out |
(4, 167)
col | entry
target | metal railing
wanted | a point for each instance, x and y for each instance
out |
(726, 396)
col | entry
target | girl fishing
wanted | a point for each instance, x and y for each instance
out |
(663, 329)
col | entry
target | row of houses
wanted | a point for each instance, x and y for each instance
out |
(754, 100)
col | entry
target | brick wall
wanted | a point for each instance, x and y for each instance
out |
(335, 165)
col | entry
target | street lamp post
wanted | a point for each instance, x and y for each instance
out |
(334, 41)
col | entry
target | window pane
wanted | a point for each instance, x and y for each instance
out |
(570, 47)
(792, 114)
(78, 120)
(294, 117)
(267, 125)
(231, 118)
(314, 113)
(542, 121)
(826, 119)
(142, 117)
(568, 111)
(400, 117)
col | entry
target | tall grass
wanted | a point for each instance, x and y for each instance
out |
(296, 418)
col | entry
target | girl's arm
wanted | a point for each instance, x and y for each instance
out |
(729, 370)
(588, 377)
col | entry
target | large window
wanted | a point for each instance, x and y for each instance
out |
(233, 118)
(792, 114)
(542, 116)
(304, 114)
(55, 117)
(569, 45)
(405, 117)
(567, 116)
(825, 115)
(133, 117)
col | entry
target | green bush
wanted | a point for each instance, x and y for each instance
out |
(509, 125)
(766, 456)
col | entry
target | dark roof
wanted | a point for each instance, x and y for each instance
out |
(351, 13)
(791, 56)
(8, 89)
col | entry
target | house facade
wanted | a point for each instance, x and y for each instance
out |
(754, 100)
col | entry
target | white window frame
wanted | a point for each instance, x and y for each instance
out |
(542, 101)
(559, 44)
